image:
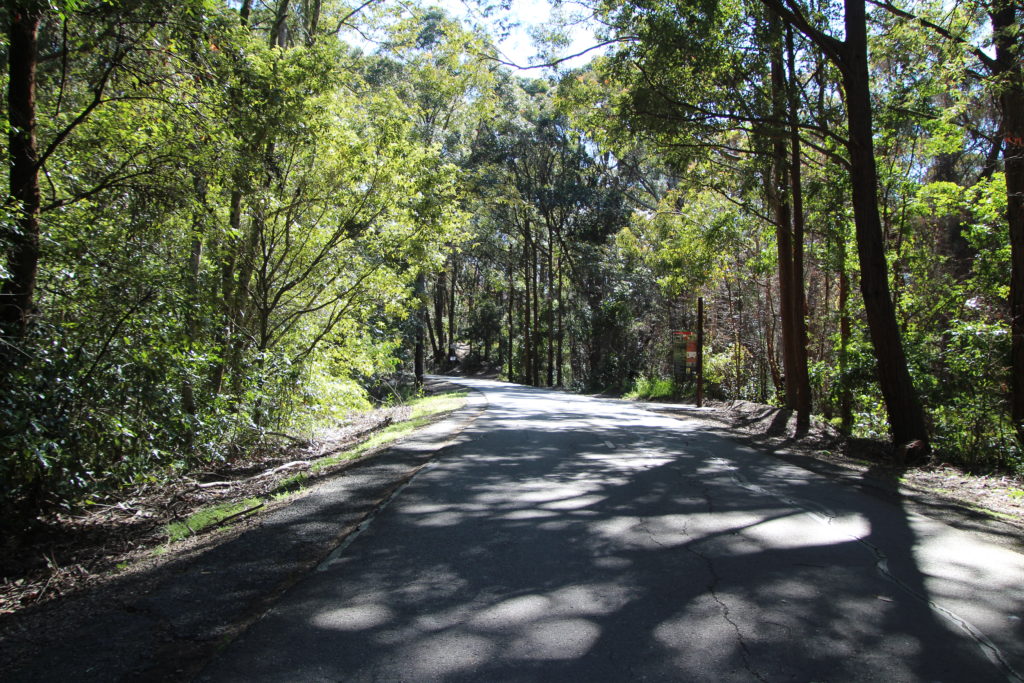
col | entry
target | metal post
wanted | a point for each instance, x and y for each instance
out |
(700, 351)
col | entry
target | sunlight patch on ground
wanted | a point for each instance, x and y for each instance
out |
(356, 618)
(556, 639)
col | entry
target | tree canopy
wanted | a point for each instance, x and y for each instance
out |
(229, 221)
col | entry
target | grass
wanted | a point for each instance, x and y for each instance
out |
(207, 517)
(289, 486)
(424, 411)
(652, 388)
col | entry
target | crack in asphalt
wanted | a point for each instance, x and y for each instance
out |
(988, 648)
(826, 516)
(712, 587)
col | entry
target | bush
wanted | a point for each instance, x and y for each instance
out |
(652, 388)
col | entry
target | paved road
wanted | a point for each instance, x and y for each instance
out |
(569, 538)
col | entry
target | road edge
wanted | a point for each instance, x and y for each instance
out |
(168, 625)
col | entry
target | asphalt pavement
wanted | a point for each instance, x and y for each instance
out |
(570, 538)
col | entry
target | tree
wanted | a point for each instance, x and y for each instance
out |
(699, 26)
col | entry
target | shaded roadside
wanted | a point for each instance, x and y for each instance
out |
(581, 540)
(164, 623)
(980, 504)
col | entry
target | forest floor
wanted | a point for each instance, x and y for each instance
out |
(997, 496)
(145, 526)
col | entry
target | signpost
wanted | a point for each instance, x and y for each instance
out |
(684, 353)
(700, 352)
(688, 354)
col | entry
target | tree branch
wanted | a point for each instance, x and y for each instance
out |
(989, 62)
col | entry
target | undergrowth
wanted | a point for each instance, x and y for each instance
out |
(423, 411)
(652, 388)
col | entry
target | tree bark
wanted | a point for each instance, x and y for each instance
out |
(509, 349)
(453, 282)
(802, 379)
(778, 199)
(440, 296)
(1009, 73)
(550, 295)
(527, 301)
(536, 342)
(279, 31)
(561, 326)
(906, 417)
(17, 298)
(421, 309)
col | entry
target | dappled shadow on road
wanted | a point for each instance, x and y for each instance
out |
(587, 541)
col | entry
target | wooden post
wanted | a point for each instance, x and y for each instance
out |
(700, 351)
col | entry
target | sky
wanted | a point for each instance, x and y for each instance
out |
(519, 48)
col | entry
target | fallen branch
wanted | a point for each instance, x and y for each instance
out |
(287, 465)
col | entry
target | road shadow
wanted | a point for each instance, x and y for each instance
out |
(585, 542)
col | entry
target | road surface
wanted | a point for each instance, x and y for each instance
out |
(569, 538)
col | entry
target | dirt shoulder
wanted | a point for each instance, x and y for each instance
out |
(113, 601)
(992, 504)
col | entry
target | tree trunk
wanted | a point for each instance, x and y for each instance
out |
(801, 380)
(527, 301)
(17, 295)
(188, 398)
(419, 364)
(509, 349)
(453, 282)
(906, 417)
(551, 309)
(440, 296)
(536, 342)
(1010, 74)
(778, 198)
(313, 21)
(845, 395)
(561, 326)
(279, 31)
(227, 280)
(773, 361)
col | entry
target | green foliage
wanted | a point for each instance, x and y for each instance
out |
(424, 411)
(229, 242)
(652, 388)
(687, 242)
(243, 232)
